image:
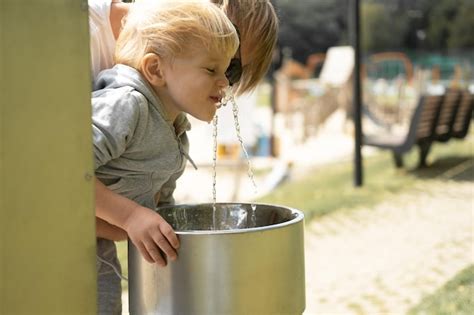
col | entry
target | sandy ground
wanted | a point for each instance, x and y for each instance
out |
(384, 260)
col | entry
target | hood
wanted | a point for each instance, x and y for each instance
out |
(124, 76)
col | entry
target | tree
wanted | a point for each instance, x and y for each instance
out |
(442, 15)
(461, 29)
(312, 26)
(308, 26)
(382, 27)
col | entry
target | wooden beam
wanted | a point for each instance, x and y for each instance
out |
(47, 240)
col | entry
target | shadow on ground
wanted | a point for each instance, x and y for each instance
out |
(457, 168)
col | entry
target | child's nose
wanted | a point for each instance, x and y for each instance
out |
(222, 81)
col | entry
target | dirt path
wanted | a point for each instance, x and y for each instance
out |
(384, 260)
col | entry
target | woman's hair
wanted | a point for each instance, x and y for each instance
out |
(172, 28)
(257, 23)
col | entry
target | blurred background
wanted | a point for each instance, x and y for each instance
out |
(409, 48)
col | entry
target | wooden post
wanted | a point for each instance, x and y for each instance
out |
(47, 225)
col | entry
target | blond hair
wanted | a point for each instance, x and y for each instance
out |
(173, 28)
(257, 23)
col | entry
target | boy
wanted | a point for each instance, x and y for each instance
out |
(171, 57)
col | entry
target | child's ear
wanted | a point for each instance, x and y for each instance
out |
(152, 69)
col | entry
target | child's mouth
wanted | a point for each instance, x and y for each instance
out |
(217, 100)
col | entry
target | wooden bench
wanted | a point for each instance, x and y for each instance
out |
(436, 118)
(447, 115)
(420, 132)
(463, 118)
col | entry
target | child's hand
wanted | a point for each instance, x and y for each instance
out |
(152, 235)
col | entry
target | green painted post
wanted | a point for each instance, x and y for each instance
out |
(47, 238)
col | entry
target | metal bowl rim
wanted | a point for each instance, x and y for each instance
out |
(299, 217)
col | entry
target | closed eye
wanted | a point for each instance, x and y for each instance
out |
(210, 70)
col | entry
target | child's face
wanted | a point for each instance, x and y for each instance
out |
(195, 84)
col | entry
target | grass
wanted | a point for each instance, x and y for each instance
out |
(123, 258)
(330, 188)
(455, 297)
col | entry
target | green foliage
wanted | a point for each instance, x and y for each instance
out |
(462, 26)
(311, 26)
(442, 16)
(455, 297)
(376, 33)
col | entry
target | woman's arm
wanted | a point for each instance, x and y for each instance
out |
(108, 231)
(118, 10)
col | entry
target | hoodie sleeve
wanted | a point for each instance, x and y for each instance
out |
(114, 120)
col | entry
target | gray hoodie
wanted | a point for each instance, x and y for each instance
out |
(137, 150)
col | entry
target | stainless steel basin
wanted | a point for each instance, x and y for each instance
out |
(238, 261)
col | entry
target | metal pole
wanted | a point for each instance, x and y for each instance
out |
(357, 101)
(276, 63)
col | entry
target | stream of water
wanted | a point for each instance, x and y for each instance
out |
(229, 98)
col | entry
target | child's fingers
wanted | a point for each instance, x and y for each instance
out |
(165, 246)
(170, 235)
(155, 254)
(144, 253)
